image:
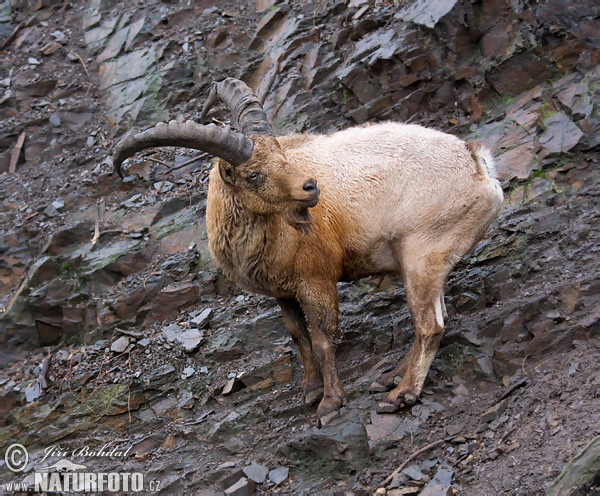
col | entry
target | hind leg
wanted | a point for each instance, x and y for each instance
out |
(388, 381)
(424, 282)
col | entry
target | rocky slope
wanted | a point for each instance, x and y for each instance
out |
(117, 327)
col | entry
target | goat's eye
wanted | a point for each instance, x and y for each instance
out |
(253, 176)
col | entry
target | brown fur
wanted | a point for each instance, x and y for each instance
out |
(384, 208)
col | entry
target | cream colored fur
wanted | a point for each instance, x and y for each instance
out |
(394, 198)
(391, 181)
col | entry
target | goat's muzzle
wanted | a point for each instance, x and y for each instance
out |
(312, 193)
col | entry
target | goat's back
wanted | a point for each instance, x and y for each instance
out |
(388, 181)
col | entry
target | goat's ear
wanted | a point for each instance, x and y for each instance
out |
(227, 172)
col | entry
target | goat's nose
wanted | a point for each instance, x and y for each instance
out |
(310, 185)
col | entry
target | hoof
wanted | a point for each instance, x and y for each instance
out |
(312, 396)
(377, 387)
(389, 406)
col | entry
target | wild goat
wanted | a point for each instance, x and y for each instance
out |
(290, 216)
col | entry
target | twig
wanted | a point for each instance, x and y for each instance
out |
(14, 34)
(512, 389)
(315, 13)
(188, 162)
(540, 364)
(19, 290)
(129, 400)
(534, 369)
(413, 456)
(16, 153)
(220, 123)
(80, 60)
(96, 235)
(111, 231)
(31, 216)
(152, 159)
(162, 185)
(44, 371)
(523, 364)
(512, 431)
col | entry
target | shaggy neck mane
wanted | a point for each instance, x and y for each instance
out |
(244, 231)
(246, 244)
(299, 219)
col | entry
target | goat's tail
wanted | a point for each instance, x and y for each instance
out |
(487, 168)
(484, 160)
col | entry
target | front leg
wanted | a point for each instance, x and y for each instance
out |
(295, 323)
(320, 304)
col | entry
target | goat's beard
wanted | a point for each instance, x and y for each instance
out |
(298, 218)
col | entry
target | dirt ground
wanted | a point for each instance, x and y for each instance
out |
(100, 278)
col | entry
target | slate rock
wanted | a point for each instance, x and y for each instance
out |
(414, 472)
(160, 376)
(233, 386)
(236, 422)
(398, 480)
(256, 472)
(120, 345)
(404, 491)
(560, 136)
(190, 339)
(33, 392)
(494, 412)
(580, 472)
(187, 372)
(427, 12)
(279, 371)
(279, 474)
(523, 71)
(576, 98)
(201, 321)
(454, 429)
(174, 297)
(243, 487)
(186, 400)
(233, 478)
(163, 186)
(51, 211)
(439, 484)
(337, 450)
(384, 429)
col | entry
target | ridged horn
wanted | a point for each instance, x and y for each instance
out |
(222, 142)
(245, 106)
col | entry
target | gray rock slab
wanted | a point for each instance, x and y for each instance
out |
(256, 472)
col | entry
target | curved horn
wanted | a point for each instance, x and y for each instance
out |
(244, 105)
(229, 145)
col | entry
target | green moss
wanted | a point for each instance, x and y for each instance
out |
(109, 400)
(453, 353)
(546, 110)
(536, 174)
